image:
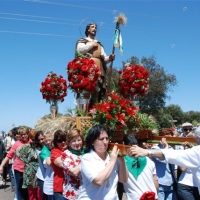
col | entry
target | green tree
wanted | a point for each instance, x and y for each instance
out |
(164, 119)
(191, 116)
(176, 112)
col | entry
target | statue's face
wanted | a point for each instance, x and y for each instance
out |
(92, 29)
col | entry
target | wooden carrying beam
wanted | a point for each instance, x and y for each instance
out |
(174, 140)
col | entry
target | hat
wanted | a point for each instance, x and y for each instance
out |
(186, 124)
(148, 196)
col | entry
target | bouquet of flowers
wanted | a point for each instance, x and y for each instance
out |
(54, 88)
(83, 74)
(117, 113)
(133, 81)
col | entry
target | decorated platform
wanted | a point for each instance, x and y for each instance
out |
(115, 108)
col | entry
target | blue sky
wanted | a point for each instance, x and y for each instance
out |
(37, 37)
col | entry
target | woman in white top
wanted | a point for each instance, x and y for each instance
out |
(39, 143)
(49, 173)
(101, 171)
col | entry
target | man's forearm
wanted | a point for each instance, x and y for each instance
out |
(155, 153)
(136, 151)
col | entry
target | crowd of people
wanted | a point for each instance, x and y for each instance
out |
(47, 165)
(58, 165)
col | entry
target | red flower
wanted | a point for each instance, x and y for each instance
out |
(121, 118)
(108, 116)
(54, 88)
(83, 74)
(133, 81)
(116, 112)
(84, 67)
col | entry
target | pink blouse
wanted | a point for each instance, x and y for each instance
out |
(18, 164)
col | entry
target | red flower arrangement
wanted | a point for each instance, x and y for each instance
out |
(117, 113)
(83, 74)
(133, 81)
(54, 88)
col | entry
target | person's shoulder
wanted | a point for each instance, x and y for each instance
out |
(8, 138)
(44, 148)
(54, 150)
(67, 152)
(155, 147)
(195, 148)
(17, 143)
(82, 40)
(150, 162)
(88, 155)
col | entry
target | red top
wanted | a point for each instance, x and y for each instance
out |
(18, 164)
(58, 172)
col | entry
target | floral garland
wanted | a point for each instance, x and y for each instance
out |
(83, 74)
(117, 113)
(133, 81)
(54, 88)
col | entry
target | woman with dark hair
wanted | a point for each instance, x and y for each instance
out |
(60, 145)
(45, 157)
(39, 142)
(101, 171)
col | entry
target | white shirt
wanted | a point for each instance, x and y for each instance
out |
(189, 158)
(40, 171)
(186, 178)
(91, 165)
(12, 143)
(48, 179)
(84, 48)
(134, 188)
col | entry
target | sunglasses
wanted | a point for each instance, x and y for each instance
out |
(187, 129)
(60, 140)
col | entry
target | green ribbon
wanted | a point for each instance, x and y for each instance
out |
(116, 38)
(76, 152)
(135, 165)
(118, 41)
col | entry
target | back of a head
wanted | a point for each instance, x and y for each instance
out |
(15, 131)
(129, 139)
(32, 134)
